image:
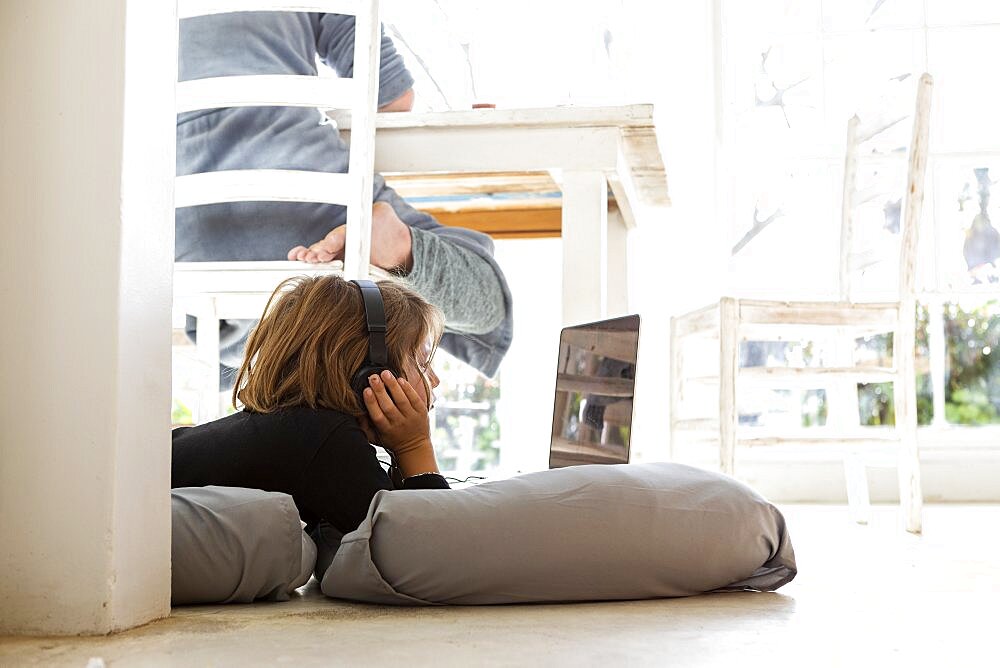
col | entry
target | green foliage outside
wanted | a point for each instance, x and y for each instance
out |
(465, 411)
(972, 389)
(180, 413)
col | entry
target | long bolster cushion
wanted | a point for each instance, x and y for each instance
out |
(236, 545)
(582, 533)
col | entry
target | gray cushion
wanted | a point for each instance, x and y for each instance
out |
(236, 545)
(582, 533)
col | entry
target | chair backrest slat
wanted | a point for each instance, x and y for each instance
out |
(190, 8)
(270, 90)
(913, 201)
(265, 185)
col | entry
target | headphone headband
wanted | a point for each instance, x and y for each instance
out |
(378, 354)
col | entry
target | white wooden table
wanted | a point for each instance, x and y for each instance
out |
(586, 149)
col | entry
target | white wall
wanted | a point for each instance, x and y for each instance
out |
(674, 255)
(527, 376)
(86, 250)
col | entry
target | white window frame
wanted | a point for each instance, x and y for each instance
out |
(940, 433)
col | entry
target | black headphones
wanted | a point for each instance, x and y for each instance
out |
(377, 359)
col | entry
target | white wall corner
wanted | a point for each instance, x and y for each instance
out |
(86, 249)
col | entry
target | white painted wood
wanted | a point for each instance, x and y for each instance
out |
(641, 169)
(856, 477)
(799, 332)
(833, 314)
(817, 436)
(728, 366)
(704, 424)
(639, 182)
(86, 246)
(913, 202)
(701, 321)
(474, 149)
(847, 207)
(266, 185)
(191, 8)
(905, 401)
(367, 52)
(197, 278)
(271, 90)
(911, 497)
(816, 375)
(619, 140)
(617, 262)
(635, 115)
(752, 378)
(585, 246)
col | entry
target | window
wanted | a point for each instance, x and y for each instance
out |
(793, 73)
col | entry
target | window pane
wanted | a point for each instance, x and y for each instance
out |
(466, 430)
(875, 400)
(966, 211)
(962, 12)
(786, 229)
(873, 75)
(877, 223)
(771, 16)
(859, 15)
(775, 95)
(964, 63)
(972, 394)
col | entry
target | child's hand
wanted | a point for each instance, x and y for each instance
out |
(398, 413)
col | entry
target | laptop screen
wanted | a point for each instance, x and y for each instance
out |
(595, 387)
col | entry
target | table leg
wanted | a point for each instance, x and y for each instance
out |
(585, 246)
(617, 259)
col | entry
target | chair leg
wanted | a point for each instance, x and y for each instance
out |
(905, 395)
(858, 501)
(208, 352)
(910, 495)
(728, 361)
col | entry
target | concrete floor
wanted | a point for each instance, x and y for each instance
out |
(865, 596)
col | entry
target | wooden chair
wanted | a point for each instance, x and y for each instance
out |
(217, 290)
(733, 320)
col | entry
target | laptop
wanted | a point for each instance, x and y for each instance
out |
(594, 395)
(595, 391)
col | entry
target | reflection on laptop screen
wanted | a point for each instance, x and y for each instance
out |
(595, 386)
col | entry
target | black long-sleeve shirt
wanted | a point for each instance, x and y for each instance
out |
(320, 457)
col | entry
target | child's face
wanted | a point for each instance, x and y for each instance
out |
(419, 373)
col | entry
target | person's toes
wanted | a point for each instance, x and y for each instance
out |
(296, 253)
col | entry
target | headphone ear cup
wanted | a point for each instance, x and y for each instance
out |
(360, 380)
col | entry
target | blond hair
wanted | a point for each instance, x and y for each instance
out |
(313, 338)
